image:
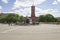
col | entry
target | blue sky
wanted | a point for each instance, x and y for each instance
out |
(23, 7)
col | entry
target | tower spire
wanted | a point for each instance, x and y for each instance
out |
(32, 2)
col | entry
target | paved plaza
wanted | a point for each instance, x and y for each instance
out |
(30, 32)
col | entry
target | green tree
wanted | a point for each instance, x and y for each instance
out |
(2, 19)
(21, 19)
(47, 18)
(41, 18)
(12, 18)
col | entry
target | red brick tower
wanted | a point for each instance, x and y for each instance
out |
(33, 18)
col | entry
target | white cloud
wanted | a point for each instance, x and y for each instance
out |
(24, 12)
(0, 7)
(43, 12)
(9, 12)
(55, 2)
(25, 3)
(5, 1)
(58, 0)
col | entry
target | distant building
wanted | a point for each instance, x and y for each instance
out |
(0, 14)
(5, 14)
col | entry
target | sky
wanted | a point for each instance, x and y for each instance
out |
(23, 7)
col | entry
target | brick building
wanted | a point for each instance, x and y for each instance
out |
(33, 17)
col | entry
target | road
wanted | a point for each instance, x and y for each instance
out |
(30, 32)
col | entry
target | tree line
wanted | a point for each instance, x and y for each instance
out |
(47, 18)
(15, 17)
(11, 18)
